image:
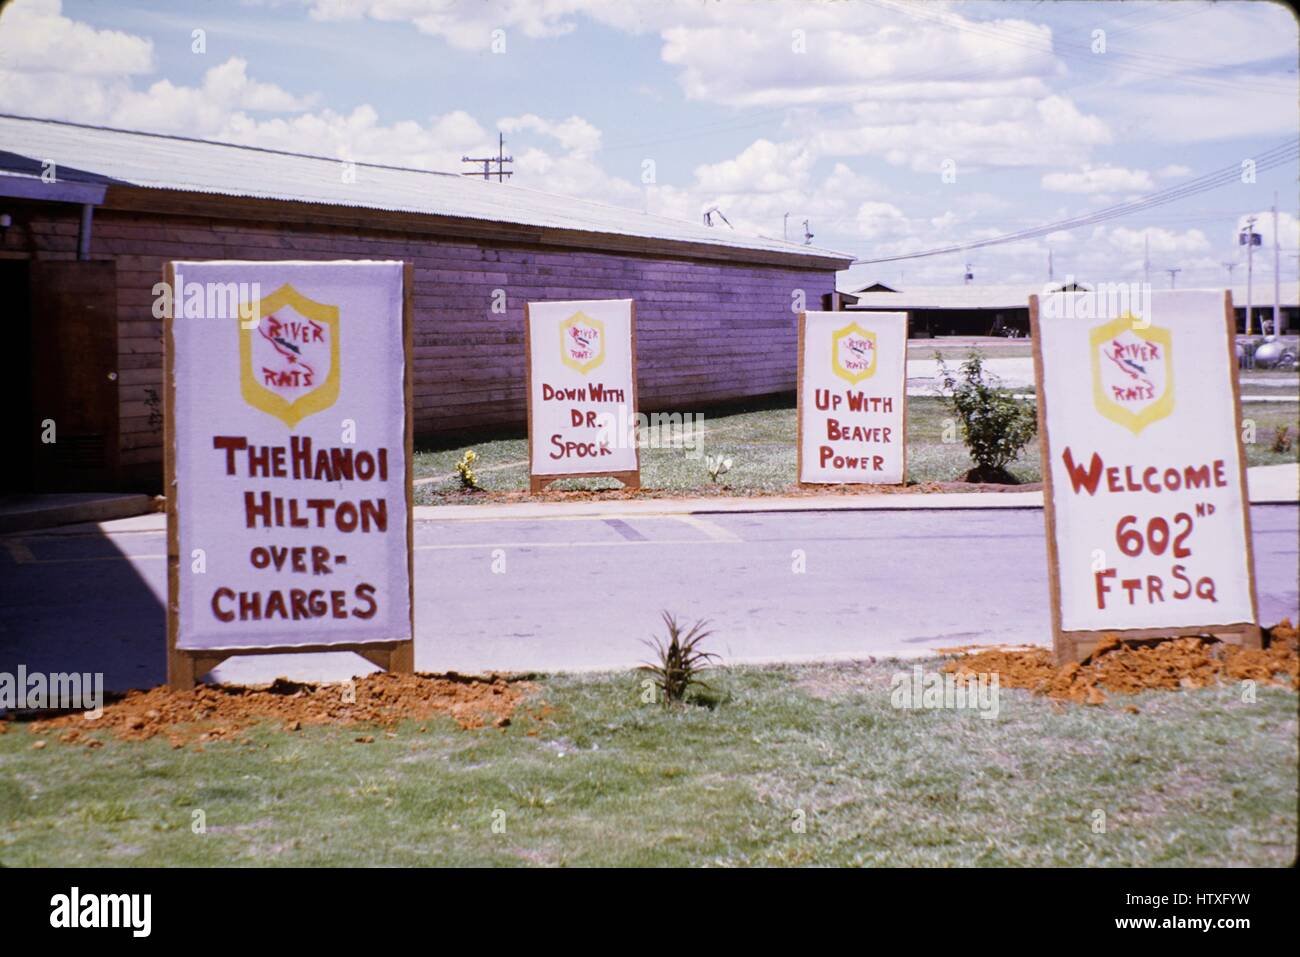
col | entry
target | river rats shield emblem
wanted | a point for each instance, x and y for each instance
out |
(853, 353)
(582, 342)
(289, 360)
(1132, 373)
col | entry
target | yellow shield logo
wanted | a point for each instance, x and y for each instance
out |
(1132, 373)
(853, 353)
(582, 342)
(289, 360)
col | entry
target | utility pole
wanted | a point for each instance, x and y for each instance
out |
(1173, 276)
(1146, 258)
(970, 276)
(785, 226)
(1277, 274)
(807, 234)
(1230, 267)
(1250, 239)
(1050, 274)
(499, 161)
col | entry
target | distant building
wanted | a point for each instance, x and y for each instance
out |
(1261, 305)
(969, 310)
(991, 310)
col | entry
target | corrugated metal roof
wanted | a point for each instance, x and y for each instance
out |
(179, 163)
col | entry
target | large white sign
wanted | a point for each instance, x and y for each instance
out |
(582, 399)
(290, 454)
(852, 397)
(1144, 464)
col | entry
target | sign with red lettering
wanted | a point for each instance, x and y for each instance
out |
(1143, 467)
(853, 398)
(582, 409)
(288, 455)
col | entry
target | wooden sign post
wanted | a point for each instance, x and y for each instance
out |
(852, 398)
(1144, 472)
(288, 462)
(582, 403)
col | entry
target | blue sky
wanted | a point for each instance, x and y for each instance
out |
(894, 127)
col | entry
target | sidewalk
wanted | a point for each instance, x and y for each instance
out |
(1269, 485)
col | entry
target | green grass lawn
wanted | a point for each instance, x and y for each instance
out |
(1195, 778)
(761, 444)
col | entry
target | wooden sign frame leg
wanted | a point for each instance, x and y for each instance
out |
(186, 667)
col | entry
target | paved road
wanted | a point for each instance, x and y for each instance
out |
(581, 592)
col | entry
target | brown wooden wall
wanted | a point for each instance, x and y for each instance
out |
(707, 331)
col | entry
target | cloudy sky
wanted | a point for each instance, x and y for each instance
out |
(893, 126)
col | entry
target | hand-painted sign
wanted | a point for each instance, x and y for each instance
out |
(1148, 525)
(582, 390)
(852, 397)
(288, 454)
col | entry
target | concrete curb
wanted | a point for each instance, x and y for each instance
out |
(48, 511)
(901, 501)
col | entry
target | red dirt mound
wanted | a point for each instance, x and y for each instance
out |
(223, 712)
(1129, 668)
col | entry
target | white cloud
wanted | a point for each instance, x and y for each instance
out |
(466, 26)
(877, 220)
(1098, 179)
(921, 86)
(574, 134)
(762, 167)
(204, 110)
(1133, 241)
(361, 137)
(38, 39)
(96, 77)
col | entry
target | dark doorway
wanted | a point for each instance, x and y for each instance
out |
(73, 414)
(16, 373)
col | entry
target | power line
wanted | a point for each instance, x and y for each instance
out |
(1277, 156)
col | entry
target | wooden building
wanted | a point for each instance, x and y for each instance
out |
(88, 217)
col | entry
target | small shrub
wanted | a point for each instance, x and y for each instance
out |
(994, 426)
(680, 659)
(465, 468)
(1282, 439)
